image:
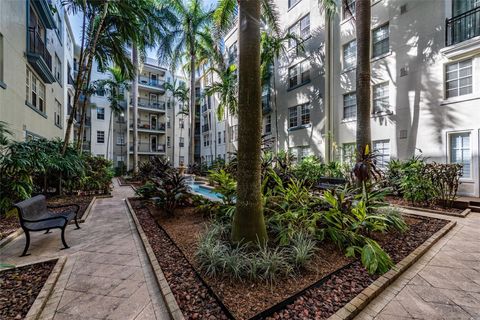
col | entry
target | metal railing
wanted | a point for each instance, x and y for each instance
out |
(462, 27)
(70, 80)
(205, 128)
(147, 126)
(149, 82)
(37, 46)
(148, 147)
(145, 103)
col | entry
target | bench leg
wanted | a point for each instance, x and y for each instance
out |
(76, 223)
(48, 231)
(65, 245)
(27, 244)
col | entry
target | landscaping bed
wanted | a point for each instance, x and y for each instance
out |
(127, 181)
(82, 201)
(331, 279)
(20, 287)
(8, 226)
(440, 209)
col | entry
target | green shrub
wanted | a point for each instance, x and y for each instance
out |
(417, 186)
(147, 190)
(445, 178)
(170, 190)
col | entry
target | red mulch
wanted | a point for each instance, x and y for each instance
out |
(402, 202)
(246, 299)
(20, 287)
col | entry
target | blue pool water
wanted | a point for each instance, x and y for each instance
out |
(206, 192)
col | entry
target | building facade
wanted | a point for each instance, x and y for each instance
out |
(36, 48)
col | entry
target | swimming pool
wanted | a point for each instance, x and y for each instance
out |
(205, 192)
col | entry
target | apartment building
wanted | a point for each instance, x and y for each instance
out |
(425, 83)
(36, 43)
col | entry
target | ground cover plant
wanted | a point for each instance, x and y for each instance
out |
(311, 237)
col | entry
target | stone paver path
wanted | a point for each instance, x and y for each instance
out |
(107, 275)
(443, 284)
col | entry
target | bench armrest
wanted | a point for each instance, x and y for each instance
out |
(46, 219)
(77, 207)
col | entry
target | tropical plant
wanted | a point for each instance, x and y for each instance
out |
(225, 185)
(169, 191)
(446, 179)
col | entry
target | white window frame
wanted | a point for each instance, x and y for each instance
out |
(268, 124)
(378, 100)
(347, 14)
(302, 33)
(57, 115)
(35, 86)
(354, 117)
(349, 152)
(387, 26)
(121, 139)
(100, 113)
(301, 69)
(349, 59)
(297, 115)
(459, 78)
(449, 150)
(382, 163)
(292, 3)
(100, 134)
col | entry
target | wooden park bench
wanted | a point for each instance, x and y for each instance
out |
(328, 183)
(35, 216)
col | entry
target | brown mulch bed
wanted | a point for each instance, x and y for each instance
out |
(11, 224)
(20, 287)
(246, 299)
(404, 203)
(8, 226)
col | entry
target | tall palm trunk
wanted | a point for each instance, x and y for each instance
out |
(248, 221)
(227, 135)
(363, 18)
(277, 138)
(81, 83)
(135, 107)
(84, 114)
(107, 155)
(191, 155)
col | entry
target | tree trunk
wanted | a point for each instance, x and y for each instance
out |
(277, 138)
(191, 155)
(363, 18)
(248, 221)
(82, 82)
(109, 134)
(84, 115)
(135, 108)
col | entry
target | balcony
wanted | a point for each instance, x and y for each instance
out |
(147, 148)
(463, 27)
(266, 103)
(152, 85)
(78, 118)
(39, 57)
(205, 128)
(148, 127)
(42, 7)
(204, 108)
(147, 104)
(70, 80)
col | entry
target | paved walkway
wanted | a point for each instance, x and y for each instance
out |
(106, 275)
(443, 284)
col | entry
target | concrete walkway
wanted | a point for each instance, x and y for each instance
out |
(106, 276)
(443, 284)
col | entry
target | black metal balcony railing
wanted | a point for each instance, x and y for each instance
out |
(78, 119)
(463, 27)
(149, 147)
(204, 108)
(70, 80)
(205, 128)
(147, 126)
(37, 46)
(150, 82)
(145, 103)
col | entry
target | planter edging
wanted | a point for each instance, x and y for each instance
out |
(41, 300)
(357, 304)
(12, 236)
(87, 212)
(168, 297)
(462, 214)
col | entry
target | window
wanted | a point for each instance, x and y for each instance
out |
(233, 53)
(35, 91)
(348, 8)
(301, 29)
(292, 117)
(168, 124)
(291, 3)
(382, 150)
(460, 151)
(58, 114)
(100, 113)
(224, 137)
(349, 153)
(220, 137)
(268, 124)
(100, 136)
(300, 152)
(458, 78)
(121, 139)
(380, 98)
(234, 133)
(1, 59)
(299, 74)
(181, 123)
(58, 69)
(380, 40)
(350, 55)
(350, 106)
(299, 115)
(181, 143)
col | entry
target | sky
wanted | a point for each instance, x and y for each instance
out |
(76, 23)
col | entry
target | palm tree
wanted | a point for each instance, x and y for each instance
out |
(193, 18)
(115, 88)
(248, 221)
(180, 93)
(362, 21)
